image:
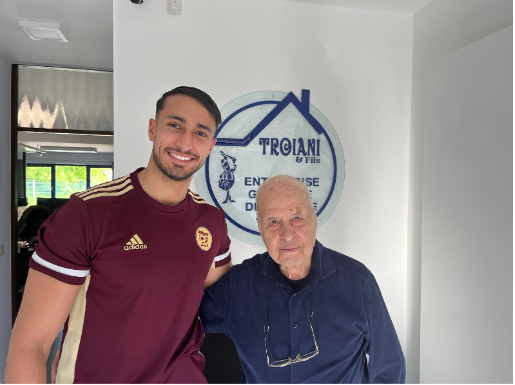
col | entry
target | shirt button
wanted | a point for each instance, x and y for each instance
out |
(295, 325)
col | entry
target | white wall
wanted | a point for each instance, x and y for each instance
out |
(5, 209)
(460, 208)
(467, 221)
(357, 65)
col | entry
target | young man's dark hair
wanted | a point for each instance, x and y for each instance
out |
(199, 95)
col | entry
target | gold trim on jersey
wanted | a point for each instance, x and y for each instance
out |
(68, 360)
(114, 185)
(109, 194)
(107, 188)
(198, 199)
(102, 185)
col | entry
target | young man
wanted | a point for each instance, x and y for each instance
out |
(125, 265)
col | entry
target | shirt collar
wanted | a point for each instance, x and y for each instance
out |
(322, 266)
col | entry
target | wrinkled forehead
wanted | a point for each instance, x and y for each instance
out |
(283, 195)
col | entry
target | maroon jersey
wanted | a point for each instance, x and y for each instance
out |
(142, 266)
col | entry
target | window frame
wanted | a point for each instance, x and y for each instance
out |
(52, 168)
(88, 172)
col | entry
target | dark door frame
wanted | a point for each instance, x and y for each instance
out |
(14, 156)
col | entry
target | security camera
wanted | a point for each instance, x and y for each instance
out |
(137, 1)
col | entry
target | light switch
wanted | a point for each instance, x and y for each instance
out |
(175, 7)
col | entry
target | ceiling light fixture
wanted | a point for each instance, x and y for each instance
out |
(85, 150)
(43, 30)
(28, 148)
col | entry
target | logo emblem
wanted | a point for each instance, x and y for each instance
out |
(204, 238)
(135, 243)
(227, 177)
(270, 133)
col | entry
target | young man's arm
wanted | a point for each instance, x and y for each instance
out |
(222, 262)
(46, 305)
(215, 273)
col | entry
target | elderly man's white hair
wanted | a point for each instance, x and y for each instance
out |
(284, 179)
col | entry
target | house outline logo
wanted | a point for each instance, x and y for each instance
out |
(282, 147)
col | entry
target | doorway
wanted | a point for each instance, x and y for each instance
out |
(61, 143)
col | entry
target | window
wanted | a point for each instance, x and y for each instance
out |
(39, 183)
(61, 181)
(99, 175)
(69, 180)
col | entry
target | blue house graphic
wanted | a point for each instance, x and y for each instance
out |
(302, 106)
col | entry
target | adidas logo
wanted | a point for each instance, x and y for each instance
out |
(135, 243)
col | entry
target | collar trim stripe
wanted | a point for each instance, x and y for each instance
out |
(198, 199)
(119, 182)
(105, 189)
(109, 194)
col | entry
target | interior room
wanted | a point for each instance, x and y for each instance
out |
(63, 134)
(420, 96)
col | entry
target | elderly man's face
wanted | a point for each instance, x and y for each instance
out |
(287, 224)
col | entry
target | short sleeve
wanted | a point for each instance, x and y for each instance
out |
(65, 244)
(223, 256)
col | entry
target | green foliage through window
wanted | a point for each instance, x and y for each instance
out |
(39, 183)
(99, 175)
(68, 180)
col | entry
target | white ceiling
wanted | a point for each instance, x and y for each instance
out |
(89, 29)
(89, 26)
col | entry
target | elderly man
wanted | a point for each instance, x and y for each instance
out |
(302, 312)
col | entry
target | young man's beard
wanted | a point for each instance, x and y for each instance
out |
(174, 175)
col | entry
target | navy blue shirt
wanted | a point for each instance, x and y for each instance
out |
(350, 321)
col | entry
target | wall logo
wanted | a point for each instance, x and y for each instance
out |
(263, 134)
(227, 177)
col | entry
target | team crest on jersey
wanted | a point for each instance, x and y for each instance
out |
(204, 238)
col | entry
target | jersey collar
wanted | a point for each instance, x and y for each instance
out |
(151, 201)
